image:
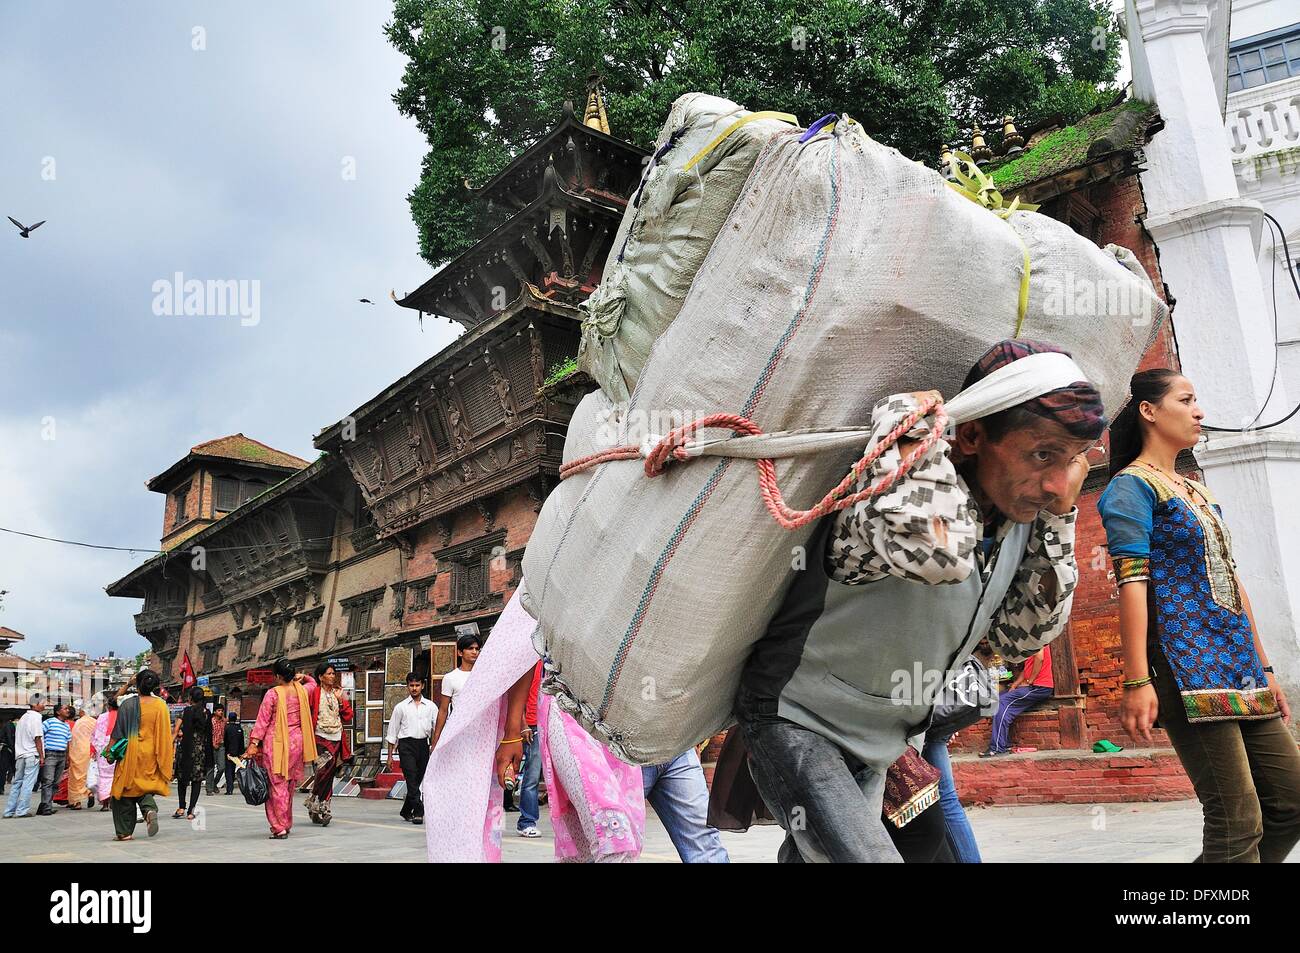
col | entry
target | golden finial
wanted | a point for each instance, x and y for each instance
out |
(945, 162)
(1012, 141)
(979, 150)
(594, 115)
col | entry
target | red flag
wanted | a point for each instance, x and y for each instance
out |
(187, 672)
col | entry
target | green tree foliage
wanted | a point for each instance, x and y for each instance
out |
(485, 78)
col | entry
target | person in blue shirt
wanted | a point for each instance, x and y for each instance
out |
(58, 733)
(1193, 661)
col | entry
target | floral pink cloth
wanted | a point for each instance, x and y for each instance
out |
(601, 812)
(605, 821)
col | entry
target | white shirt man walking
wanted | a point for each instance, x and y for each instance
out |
(409, 730)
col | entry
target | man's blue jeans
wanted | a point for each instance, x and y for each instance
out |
(20, 795)
(529, 809)
(678, 793)
(961, 839)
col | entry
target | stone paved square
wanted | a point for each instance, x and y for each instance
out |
(228, 830)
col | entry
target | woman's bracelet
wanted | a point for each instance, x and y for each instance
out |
(510, 741)
(1137, 682)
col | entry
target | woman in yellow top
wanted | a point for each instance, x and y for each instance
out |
(146, 770)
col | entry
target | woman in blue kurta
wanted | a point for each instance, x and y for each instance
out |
(1192, 655)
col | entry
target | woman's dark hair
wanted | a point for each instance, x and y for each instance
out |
(196, 695)
(283, 668)
(148, 682)
(110, 701)
(322, 668)
(1126, 429)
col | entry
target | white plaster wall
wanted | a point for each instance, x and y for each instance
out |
(1252, 17)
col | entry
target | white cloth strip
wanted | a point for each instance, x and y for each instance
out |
(1006, 387)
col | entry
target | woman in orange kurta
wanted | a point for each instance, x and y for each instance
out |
(146, 770)
(79, 761)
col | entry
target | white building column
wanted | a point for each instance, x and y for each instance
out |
(1208, 240)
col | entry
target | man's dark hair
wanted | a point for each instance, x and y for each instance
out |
(412, 677)
(466, 640)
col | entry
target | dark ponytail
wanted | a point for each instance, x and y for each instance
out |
(1126, 429)
(283, 668)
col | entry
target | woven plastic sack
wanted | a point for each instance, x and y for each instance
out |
(700, 162)
(846, 272)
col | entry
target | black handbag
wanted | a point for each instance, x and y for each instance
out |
(253, 782)
(970, 696)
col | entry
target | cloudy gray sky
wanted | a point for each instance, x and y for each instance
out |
(148, 156)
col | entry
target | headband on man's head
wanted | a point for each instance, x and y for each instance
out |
(1076, 407)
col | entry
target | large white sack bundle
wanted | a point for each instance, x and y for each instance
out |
(846, 272)
(701, 159)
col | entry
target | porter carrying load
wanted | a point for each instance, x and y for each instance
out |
(844, 273)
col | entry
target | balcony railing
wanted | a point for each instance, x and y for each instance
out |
(159, 617)
(1264, 119)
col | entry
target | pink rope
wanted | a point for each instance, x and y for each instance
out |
(671, 447)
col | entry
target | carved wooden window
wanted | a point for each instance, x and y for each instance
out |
(274, 638)
(558, 349)
(226, 493)
(420, 597)
(397, 450)
(244, 646)
(439, 430)
(181, 496)
(519, 368)
(306, 625)
(482, 409)
(211, 655)
(359, 618)
(469, 578)
(165, 662)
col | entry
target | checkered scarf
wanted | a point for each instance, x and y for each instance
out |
(1077, 407)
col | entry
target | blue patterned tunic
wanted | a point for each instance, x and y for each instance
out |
(1184, 552)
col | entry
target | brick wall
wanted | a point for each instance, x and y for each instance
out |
(1086, 779)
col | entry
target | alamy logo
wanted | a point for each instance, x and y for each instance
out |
(77, 906)
(212, 298)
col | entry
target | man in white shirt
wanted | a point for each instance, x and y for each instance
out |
(29, 754)
(409, 729)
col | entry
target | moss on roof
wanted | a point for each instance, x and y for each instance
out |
(1124, 125)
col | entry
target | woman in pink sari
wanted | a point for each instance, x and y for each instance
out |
(99, 742)
(285, 719)
(596, 802)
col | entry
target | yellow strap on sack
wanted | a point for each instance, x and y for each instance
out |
(976, 185)
(766, 114)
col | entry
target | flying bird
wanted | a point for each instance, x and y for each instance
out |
(25, 231)
(365, 301)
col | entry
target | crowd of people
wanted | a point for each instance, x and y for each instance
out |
(977, 539)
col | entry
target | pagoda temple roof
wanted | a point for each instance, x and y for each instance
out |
(440, 287)
(525, 169)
